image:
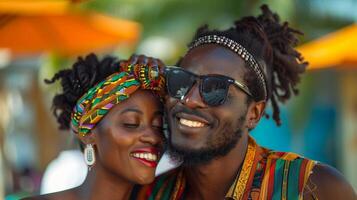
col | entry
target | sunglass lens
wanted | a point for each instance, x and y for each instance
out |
(214, 90)
(179, 82)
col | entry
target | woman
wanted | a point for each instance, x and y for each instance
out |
(115, 110)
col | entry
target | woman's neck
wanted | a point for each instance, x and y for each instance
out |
(103, 184)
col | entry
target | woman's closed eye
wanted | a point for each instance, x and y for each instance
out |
(157, 123)
(131, 125)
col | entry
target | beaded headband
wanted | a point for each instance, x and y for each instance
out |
(98, 100)
(238, 49)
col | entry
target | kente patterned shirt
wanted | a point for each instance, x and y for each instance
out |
(265, 175)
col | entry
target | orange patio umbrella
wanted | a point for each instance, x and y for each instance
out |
(31, 27)
(335, 49)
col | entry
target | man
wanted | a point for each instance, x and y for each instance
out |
(217, 95)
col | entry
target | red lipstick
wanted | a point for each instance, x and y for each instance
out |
(147, 156)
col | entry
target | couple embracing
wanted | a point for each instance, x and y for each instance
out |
(210, 101)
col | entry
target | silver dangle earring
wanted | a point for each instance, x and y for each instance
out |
(89, 155)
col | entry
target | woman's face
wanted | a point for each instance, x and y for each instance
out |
(128, 140)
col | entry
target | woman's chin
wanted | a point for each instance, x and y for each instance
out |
(145, 178)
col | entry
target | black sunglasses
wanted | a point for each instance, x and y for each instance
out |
(213, 88)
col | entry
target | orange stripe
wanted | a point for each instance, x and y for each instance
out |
(179, 186)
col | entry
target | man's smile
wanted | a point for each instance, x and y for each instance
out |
(190, 120)
(190, 123)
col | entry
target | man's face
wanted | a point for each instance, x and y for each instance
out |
(198, 132)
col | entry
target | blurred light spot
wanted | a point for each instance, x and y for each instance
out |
(5, 55)
(159, 47)
(15, 103)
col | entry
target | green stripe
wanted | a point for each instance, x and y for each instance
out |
(83, 130)
(293, 181)
(102, 111)
(278, 179)
(167, 192)
(96, 101)
(122, 97)
(157, 186)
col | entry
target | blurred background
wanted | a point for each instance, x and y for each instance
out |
(39, 37)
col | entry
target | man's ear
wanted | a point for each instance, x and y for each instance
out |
(255, 112)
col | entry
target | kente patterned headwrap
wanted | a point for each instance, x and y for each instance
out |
(98, 101)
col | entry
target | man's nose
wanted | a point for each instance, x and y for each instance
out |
(193, 98)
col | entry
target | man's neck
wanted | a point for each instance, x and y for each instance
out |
(213, 180)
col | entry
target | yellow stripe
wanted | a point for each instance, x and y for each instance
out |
(285, 180)
(289, 156)
(264, 188)
(241, 183)
(231, 189)
(308, 171)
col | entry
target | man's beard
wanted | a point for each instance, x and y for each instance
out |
(215, 148)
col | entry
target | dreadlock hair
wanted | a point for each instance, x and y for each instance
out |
(75, 82)
(272, 44)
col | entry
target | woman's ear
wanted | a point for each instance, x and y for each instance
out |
(255, 112)
(89, 138)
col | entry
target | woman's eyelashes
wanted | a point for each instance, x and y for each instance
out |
(131, 125)
(157, 123)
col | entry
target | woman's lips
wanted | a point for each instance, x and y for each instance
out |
(147, 156)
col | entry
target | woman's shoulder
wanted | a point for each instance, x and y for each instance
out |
(62, 195)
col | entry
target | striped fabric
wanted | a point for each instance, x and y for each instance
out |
(276, 175)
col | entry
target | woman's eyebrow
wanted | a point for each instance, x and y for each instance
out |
(131, 110)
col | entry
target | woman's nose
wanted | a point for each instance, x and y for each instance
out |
(152, 136)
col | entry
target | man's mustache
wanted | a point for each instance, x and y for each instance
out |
(183, 109)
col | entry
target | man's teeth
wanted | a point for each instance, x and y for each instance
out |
(146, 156)
(189, 123)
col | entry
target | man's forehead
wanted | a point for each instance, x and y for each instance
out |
(213, 59)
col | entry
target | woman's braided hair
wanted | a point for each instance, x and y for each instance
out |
(272, 44)
(75, 82)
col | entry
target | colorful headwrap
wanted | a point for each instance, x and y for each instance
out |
(97, 102)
